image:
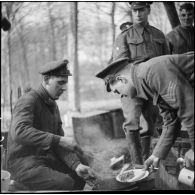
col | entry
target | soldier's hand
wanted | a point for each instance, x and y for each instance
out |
(152, 162)
(85, 172)
(189, 159)
(69, 144)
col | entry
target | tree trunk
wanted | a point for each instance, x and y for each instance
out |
(9, 71)
(113, 21)
(172, 13)
(73, 87)
(26, 76)
(52, 28)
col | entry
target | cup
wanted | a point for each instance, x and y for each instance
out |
(5, 180)
(186, 177)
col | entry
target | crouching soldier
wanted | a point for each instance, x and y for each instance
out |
(39, 156)
(168, 82)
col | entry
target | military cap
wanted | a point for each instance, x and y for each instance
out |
(186, 6)
(57, 68)
(107, 73)
(139, 4)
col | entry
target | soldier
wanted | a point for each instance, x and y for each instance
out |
(181, 38)
(39, 156)
(167, 81)
(140, 41)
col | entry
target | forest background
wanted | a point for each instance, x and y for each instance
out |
(41, 32)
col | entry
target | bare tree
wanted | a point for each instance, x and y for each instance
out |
(11, 8)
(26, 75)
(73, 90)
(112, 14)
(172, 13)
(52, 29)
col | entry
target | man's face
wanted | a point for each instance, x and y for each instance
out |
(56, 86)
(123, 87)
(140, 16)
(186, 17)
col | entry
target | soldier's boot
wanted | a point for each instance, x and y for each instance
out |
(145, 144)
(134, 146)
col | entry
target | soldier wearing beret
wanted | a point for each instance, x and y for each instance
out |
(181, 38)
(166, 81)
(139, 42)
(39, 156)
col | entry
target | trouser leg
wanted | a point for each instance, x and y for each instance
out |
(148, 122)
(134, 146)
(132, 111)
(140, 115)
(46, 178)
(145, 144)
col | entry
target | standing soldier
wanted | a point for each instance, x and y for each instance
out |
(181, 38)
(139, 42)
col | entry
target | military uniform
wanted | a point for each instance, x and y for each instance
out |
(34, 156)
(181, 39)
(164, 81)
(168, 82)
(139, 43)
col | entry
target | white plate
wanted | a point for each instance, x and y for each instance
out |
(139, 175)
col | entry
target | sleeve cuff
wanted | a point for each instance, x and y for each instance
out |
(72, 160)
(75, 165)
(55, 140)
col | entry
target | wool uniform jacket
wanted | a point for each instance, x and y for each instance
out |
(139, 42)
(165, 80)
(181, 40)
(34, 135)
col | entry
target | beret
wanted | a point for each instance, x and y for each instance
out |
(139, 4)
(57, 68)
(113, 68)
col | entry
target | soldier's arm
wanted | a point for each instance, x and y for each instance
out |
(185, 105)
(167, 47)
(120, 47)
(170, 131)
(178, 98)
(22, 129)
(169, 43)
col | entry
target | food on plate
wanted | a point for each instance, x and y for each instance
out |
(125, 176)
(132, 175)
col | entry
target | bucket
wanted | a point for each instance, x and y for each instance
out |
(5, 180)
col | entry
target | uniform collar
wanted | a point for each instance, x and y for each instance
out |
(189, 28)
(140, 28)
(45, 96)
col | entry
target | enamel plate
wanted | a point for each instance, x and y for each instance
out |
(132, 175)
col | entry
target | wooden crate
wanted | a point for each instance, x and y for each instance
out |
(92, 126)
(117, 123)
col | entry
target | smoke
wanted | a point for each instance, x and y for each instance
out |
(103, 151)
